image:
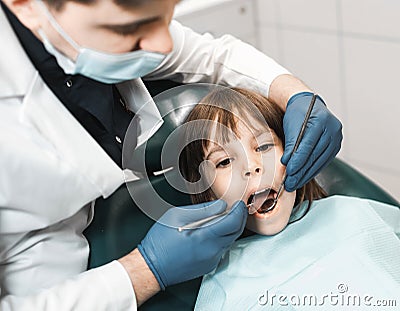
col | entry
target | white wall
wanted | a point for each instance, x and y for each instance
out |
(219, 17)
(348, 51)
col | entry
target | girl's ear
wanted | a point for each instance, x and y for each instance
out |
(27, 11)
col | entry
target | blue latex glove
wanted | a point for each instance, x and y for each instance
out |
(175, 256)
(319, 145)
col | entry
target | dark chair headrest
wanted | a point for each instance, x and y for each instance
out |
(174, 105)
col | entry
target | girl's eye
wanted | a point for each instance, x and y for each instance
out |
(264, 147)
(224, 162)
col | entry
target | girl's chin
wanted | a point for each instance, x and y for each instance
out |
(266, 224)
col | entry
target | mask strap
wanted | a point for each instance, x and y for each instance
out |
(57, 26)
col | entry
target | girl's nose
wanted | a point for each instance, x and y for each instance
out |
(253, 169)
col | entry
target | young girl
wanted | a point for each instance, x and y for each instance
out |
(240, 136)
(343, 255)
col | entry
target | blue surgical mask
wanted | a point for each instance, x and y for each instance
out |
(100, 66)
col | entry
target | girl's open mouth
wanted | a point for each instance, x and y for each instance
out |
(261, 201)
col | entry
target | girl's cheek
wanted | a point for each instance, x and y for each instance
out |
(279, 167)
(208, 172)
(228, 187)
(219, 184)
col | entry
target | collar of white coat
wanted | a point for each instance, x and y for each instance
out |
(42, 107)
(14, 62)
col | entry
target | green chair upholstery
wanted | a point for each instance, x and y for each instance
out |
(119, 225)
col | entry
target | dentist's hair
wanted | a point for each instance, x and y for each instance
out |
(224, 107)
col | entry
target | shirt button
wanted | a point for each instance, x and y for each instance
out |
(69, 83)
(118, 139)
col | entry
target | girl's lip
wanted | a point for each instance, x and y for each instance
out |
(268, 214)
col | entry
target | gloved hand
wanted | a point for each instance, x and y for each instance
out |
(177, 256)
(319, 145)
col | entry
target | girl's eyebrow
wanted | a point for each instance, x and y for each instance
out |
(214, 149)
(259, 132)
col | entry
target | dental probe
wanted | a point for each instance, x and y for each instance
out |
(201, 222)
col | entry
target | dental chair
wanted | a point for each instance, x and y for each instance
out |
(119, 225)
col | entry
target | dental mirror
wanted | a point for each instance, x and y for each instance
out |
(260, 204)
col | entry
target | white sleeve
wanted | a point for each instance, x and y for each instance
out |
(104, 288)
(225, 60)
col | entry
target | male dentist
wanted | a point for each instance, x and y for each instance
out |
(70, 81)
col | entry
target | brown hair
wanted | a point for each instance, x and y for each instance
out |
(224, 106)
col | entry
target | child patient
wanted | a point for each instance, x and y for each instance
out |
(242, 142)
(343, 255)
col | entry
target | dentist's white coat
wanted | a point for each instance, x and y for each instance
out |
(51, 170)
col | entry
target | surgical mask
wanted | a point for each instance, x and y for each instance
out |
(100, 66)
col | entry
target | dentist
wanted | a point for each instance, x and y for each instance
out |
(70, 81)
